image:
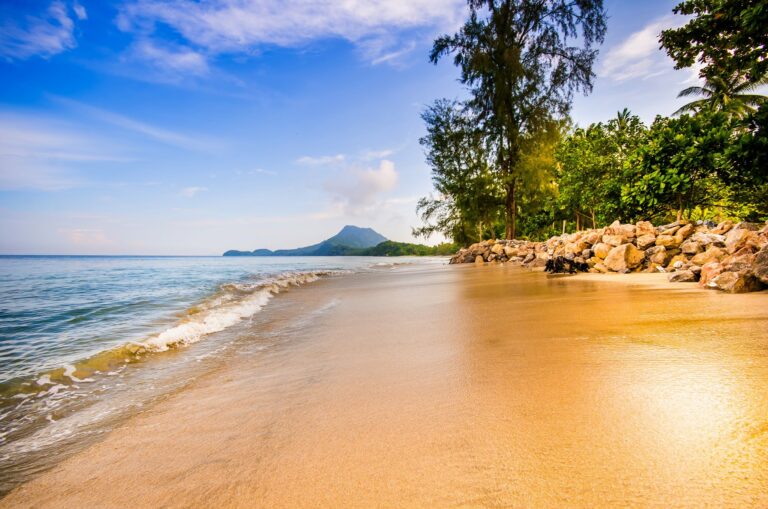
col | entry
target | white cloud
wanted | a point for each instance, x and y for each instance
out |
(45, 35)
(376, 154)
(80, 11)
(244, 26)
(36, 152)
(190, 192)
(639, 55)
(357, 190)
(170, 59)
(321, 160)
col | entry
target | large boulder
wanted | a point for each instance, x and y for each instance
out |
(624, 258)
(684, 232)
(497, 249)
(760, 266)
(602, 249)
(710, 271)
(644, 228)
(713, 254)
(614, 239)
(646, 241)
(656, 255)
(736, 282)
(625, 230)
(722, 228)
(691, 247)
(667, 241)
(738, 238)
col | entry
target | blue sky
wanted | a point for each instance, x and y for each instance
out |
(178, 127)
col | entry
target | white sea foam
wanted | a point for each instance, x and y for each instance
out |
(235, 302)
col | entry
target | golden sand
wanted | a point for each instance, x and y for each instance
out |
(471, 386)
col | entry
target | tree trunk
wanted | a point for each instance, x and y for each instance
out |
(594, 223)
(510, 206)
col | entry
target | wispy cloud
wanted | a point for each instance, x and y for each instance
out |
(170, 59)
(191, 192)
(45, 35)
(151, 131)
(639, 55)
(321, 160)
(245, 26)
(37, 152)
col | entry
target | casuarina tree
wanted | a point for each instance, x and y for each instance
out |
(522, 61)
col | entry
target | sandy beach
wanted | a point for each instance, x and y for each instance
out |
(461, 386)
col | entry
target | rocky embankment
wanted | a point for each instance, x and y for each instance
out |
(727, 256)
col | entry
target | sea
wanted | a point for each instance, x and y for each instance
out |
(86, 341)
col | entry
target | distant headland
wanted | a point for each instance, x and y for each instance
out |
(354, 241)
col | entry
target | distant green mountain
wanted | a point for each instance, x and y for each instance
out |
(355, 241)
(348, 239)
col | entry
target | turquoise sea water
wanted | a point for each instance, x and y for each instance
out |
(79, 335)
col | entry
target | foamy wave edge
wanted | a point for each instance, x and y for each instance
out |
(233, 303)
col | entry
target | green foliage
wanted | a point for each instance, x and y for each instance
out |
(676, 166)
(727, 37)
(392, 248)
(468, 199)
(731, 94)
(518, 59)
(591, 166)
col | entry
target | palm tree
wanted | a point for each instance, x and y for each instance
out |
(731, 93)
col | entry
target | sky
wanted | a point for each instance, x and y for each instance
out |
(177, 127)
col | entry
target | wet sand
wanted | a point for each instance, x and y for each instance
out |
(463, 386)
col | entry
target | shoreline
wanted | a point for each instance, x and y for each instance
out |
(465, 385)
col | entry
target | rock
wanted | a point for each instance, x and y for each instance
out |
(510, 252)
(736, 282)
(601, 250)
(738, 262)
(656, 254)
(713, 254)
(722, 228)
(710, 271)
(646, 241)
(738, 238)
(601, 268)
(592, 238)
(684, 232)
(677, 262)
(683, 276)
(624, 257)
(667, 241)
(760, 266)
(707, 239)
(497, 249)
(744, 225)
(691, 247)
(529, 258)
(644, 228)
(625, 230)
(479, 259)
(614, 240)
(561, 265)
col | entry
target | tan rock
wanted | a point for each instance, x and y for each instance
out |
(479, 259)
(736, 282)
(677, 261)
(684, 232)
(760, 266)
(710, 271)
(722, 228)
(601, 250)
(691, 247)
(667, 241)
(510, 252)
(713, 254)
(592, 238)
(738, 238)
(624, 258)
(656, 255)
(646, 241)
(644, 228)
(614, 240)
(497, 249)
(600, 267)
(682, 276)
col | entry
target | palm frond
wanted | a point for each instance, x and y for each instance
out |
(694, 91)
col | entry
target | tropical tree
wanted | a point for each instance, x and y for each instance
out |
(733, 94)
(725, 37)
(522, 64)
(676, 167)
(467, 203)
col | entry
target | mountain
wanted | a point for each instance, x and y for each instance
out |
(349, 240)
